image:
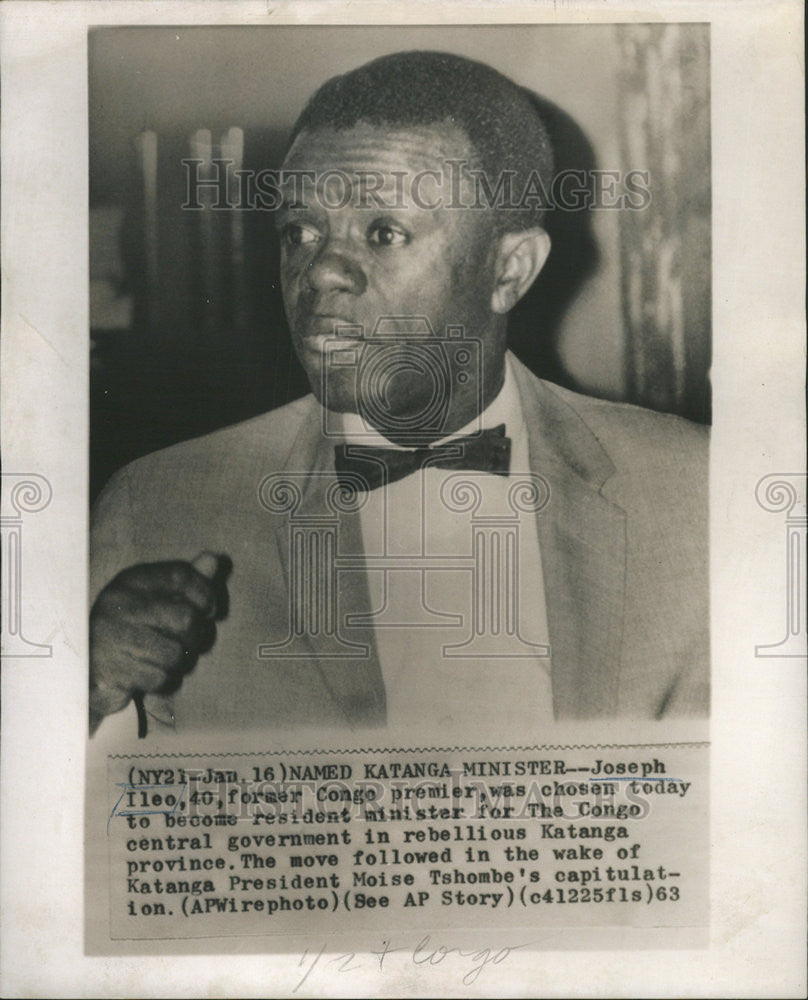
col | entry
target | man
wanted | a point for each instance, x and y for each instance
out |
(320, 565)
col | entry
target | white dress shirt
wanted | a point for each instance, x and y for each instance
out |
(429, 594)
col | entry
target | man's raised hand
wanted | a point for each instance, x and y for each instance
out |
(148, 627)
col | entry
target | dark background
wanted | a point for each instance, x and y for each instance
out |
(188, 332)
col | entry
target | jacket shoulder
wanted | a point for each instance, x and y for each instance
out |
(265, 440)
(634, 437)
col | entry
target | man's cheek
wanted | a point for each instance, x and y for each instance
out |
(291, 268)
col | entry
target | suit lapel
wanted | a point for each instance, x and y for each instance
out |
(582, 543)
(344, 654)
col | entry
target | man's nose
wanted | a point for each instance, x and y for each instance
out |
(335, 269)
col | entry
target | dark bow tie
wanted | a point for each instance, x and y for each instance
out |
(489, 451)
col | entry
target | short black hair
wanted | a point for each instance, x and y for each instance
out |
(420, 88)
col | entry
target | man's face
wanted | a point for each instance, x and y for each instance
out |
(354, 254)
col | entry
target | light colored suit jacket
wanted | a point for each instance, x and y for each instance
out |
(624, 547)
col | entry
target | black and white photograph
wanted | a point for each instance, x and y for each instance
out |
(403, 499)
(458, 343)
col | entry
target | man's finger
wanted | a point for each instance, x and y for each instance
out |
(206, 563)
(134, 658)
(146, 677)
(178, 619)
(216, 568)
(175, 578)
(144, 644)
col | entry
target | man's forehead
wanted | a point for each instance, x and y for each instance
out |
(386, 149)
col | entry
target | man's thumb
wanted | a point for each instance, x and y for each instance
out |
(206, 563)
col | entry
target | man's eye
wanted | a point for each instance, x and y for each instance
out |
(385, 235)
(297, 234)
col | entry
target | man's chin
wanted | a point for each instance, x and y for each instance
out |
(331, 399)
(384, 416)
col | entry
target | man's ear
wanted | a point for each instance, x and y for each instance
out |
(520, 257)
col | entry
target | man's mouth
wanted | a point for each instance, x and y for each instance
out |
(319, 327)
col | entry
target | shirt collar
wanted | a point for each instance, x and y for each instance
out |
(505, 408)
